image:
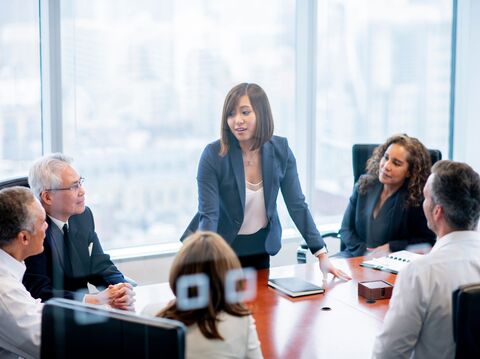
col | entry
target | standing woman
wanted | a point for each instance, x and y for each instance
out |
(385, 210)
(239, 177)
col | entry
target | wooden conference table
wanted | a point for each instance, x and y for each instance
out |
(336, 324)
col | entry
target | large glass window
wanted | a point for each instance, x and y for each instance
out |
(143, 89)
(383, 68)
(143, 85)
(20, 112)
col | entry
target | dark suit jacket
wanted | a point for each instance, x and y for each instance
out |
(48, 275)
(221, 193)
(408, 225)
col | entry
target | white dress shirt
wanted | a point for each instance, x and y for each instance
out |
(58, 223)
(20, 314)
(419, 321)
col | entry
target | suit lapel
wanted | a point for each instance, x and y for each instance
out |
(56, 240)
(397, 210)
(268, 161)
(78, 251)
(377, 191)
(236, 162)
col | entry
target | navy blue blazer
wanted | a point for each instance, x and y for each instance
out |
(408, 224)
(221, 193)
(48, 275)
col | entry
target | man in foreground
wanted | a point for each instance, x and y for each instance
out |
(22, 231)
(419, 320)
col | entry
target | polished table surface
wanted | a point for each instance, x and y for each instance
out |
(336, 324)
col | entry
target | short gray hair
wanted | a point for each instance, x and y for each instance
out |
(15, 213)
(45, 172)
(456, 187)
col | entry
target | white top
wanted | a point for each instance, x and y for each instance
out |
(419, 321)
(240, 340)
(240, 334)
(20, 314)
(255, 216)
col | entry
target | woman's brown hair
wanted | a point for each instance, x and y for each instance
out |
(208, 253)
(419, 166)
(261, 106)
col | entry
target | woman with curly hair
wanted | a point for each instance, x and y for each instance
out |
(385, 210)
(222, 328)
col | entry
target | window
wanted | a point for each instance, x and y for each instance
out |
(383, 68)
(143, 90)
(143, 85)
(20, 114)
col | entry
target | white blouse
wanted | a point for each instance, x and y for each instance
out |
(255, 216)
(239, 333)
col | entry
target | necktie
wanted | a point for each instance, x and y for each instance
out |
(66, 251)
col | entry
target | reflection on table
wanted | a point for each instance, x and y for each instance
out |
(336, 324)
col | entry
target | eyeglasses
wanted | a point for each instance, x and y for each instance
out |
(74, 187)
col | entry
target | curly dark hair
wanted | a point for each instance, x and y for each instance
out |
(419, 166)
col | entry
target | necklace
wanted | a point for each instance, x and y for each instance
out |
(250, 160)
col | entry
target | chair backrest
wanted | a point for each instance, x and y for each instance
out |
(72, 329)
(17, 181)
(362, 152)
(466, 321)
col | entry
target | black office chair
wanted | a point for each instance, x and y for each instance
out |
(466, 321)
(360, 155)
(16, 181)
(73, 329)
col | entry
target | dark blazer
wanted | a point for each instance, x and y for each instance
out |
(408, 225)
(221, 193)
(48, 275)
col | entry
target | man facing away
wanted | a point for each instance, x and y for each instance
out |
(22, 231)
(73, 255)
(419, 320)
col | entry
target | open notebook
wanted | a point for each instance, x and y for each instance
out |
(392, 263)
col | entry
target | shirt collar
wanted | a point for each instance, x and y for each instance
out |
(455, 237)
(58, 223)
(12, 266)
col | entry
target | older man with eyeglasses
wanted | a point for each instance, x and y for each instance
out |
(73, 255)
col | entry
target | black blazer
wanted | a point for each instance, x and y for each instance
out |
(221, 193)
(47, 275)
(408, 225)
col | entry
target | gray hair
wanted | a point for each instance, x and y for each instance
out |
(456, 187)
(45, 172)
(15, 213)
